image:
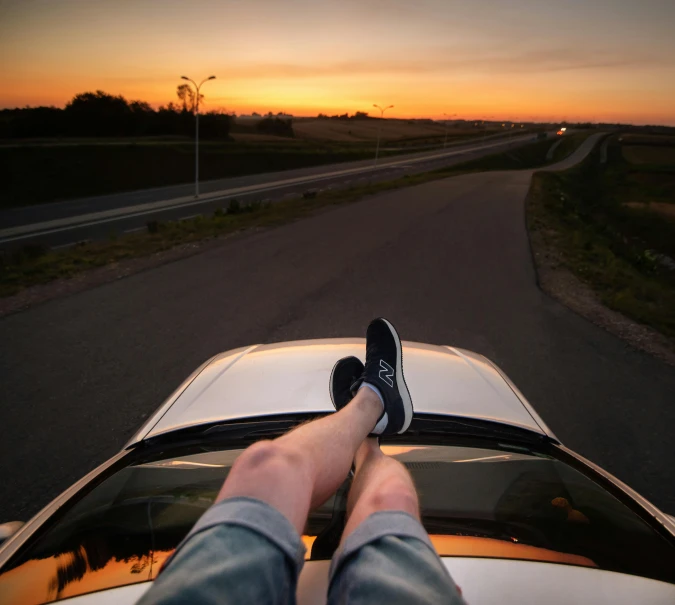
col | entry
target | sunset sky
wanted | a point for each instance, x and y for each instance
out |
(601, 60)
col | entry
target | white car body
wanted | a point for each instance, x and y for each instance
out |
(292, 378)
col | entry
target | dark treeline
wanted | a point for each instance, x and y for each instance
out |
(98, 114)
(359, 115)
(276, 126)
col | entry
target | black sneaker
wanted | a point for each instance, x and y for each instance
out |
(384, 370)
(346, 372)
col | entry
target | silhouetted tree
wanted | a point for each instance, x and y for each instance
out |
(98, 114)
(187, 97)
(215, 125)
(276, 126)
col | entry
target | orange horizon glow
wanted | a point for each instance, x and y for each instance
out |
(22, 584)
(485, 59)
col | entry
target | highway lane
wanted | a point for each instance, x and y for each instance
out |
(98, 217)
(447, 261)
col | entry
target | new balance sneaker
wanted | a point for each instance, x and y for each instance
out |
(384, 371)
(346, 373)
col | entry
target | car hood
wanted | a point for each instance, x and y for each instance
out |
(293, 377)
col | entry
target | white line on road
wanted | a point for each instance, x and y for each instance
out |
(189, 218)
(552, 148)
(135, 229)
(70, 244)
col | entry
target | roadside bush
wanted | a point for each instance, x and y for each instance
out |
(234, 207)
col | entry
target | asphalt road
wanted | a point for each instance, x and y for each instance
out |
(69, 222)
(448, 262)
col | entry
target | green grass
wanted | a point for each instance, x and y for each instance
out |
(35, 265)
(611, 248)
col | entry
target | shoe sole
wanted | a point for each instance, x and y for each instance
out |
(400, 379)
(330, 383)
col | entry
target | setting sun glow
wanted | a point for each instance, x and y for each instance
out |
(609, 60)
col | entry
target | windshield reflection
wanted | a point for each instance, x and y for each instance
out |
(475, 501)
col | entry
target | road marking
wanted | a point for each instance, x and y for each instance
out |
(70, 244)
(135, 229)
(189, 218)
(551, 151)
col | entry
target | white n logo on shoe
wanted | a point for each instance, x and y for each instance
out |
(386, 373)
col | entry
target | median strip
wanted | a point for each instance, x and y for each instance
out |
(24, 232)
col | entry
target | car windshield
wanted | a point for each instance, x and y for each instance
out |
(477, 502)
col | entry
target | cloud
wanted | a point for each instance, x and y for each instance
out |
(534, 61)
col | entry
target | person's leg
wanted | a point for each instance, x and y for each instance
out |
(385, 554)
(380, 483)
(301, 469)
(246, 548)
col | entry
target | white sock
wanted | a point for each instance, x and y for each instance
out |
(374, 389)
(384, 419)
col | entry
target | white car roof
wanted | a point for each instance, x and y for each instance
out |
(293, 377)
(482, 581)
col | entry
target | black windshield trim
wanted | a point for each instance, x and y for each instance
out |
(269, 427)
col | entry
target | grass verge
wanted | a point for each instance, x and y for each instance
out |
(34, 265)
(578, 220)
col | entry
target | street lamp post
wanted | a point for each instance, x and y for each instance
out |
(513, 125)
(445, 142)
(197, 87)
(485, 129)
(379, 129)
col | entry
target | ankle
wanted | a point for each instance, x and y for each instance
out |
(367, 450)
(368, 399)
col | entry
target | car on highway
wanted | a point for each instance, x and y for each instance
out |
(516, 516)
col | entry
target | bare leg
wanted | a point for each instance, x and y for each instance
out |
(303, 468)
(384, 484)
(380, 483)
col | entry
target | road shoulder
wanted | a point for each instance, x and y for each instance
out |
(558, 282)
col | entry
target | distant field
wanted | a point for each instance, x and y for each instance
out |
(647, 139)
(40, 173)
(254, 137)
(366, 130)
(649, 154)
(47, 170)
